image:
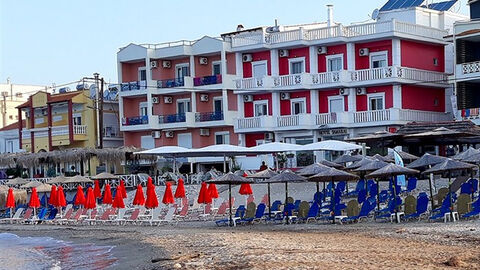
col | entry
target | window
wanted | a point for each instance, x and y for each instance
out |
(435, 61)
(143, 108)
(334, 62)
(259, 69)
(261, 107)
(182, 70)
(376, 102)
(9, 147)
(298, 106)
(297, 65)
(216, 68)
(378, 59)
(142, 74)
(217, 105)
(183, 106)
(222, 138)
(77, 120)
(336, 104)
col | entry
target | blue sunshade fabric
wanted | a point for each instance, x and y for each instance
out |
(442, 6)
(397, 4)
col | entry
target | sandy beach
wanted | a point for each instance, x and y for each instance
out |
(202, 245)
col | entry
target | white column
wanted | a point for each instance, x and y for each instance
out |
(396, 53)
(276, 104)
(223, 59)
(240, 106)
(120, 109)
(352, 100)
(194, 101)
(314, 103)
(119, 72)
(192, 66)
(274, 62)
(313, 57)
(239, 65)
(350, 56)
(148, 72)
(397, 96)
(224, 102)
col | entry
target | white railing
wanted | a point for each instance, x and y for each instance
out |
(472, 67)
(325, 119)
(326, 77)
(288, 80)
(248, 38)
(284, 36)
(288, 121)
(324, 32)
(367, 29)
(371, 116)
(248, 83)
(252, 122)
(372, 74)
(424, 116)
(420, 30)
(80, 129)
(420, 75)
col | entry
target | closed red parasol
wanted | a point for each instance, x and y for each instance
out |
(204, 195)
(245, 174)
(149, 181)
(152, 200)
(107, 195)
(61, 202)
(139, 197)
(90, 203)
(79, 197)
(34, 201)
(212, 189)
(53, 196)
(180, 191)
(122, 189)
(245, 189)
(118, 201)
(10, 200)
(96, 190)
(168, 196)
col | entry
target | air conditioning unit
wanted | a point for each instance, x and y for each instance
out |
(167, 64)
(247, 57)
(361, 91)
(322, 50)
(247, 98)
(204, 132)
(364, 52)
(167, 100)
(344, 91)
(283, 53)
(203, 60)
(169, 134)
(153, 64)
(268, 136)
(155, 100)
(156, 134)
(284, 96)
(204, 98)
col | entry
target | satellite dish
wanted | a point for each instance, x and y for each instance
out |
(106, 93)
(93, 91)
(375, 14)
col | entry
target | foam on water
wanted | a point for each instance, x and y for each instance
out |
(48, 253)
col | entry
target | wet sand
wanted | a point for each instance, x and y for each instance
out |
(202, 245)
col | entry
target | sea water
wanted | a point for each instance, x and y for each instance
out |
(49, 253)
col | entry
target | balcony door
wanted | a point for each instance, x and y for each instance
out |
(183, 106)
(261, 108)
(378, 59)
(376, 102)
(336, 104)
(259, 69)
(182, 70)
(217, 105)
(334, 62)
(298, 106)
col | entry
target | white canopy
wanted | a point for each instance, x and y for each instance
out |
(275, 147)
(167, 151)
(221, 150)
(330, 145)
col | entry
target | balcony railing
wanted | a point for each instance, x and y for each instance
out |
(406, 73)
(80, 129)
(315, 34)
(133, 86)
(289, 80)
(172, 118)
(288, 120)
(252, 122)
(111, 132)
(326, 118)
(371, 116)
(207, 80)
(208, 116)
(170, 83)
(137, 120)
(472, 67)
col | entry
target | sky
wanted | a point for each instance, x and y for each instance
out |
(58, 41)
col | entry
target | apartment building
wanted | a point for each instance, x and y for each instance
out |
(296, 84)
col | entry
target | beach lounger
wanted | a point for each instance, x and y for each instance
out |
(154, 215)
(239, 213)
(105, 217)
(443, 211)
(51, 216)
(367, 207)
(16, 217)
(421, 209)
(168, 218)
(312, 213)
(259, 215)
(76, 218)
(65, 217)
(90, 219)
(360, 186)
(133, 218)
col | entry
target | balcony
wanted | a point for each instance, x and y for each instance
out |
(299, 121)
(136, 120)
(468, 71)
(209, 116)
(133, 86)
(111, 132)
(255, 124)
(172, 118)
(207, 80)
(179, 120)
(261, 39)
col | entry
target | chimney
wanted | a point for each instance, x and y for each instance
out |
(240, 28)
(330, 15)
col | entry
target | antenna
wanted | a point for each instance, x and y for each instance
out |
(276, 23)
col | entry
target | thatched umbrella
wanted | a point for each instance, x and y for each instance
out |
(379, 139)
(16, 182)
(286, 177)
(473, 159)
(403, 155)
(347, 158)
(360, 163)
(44, 188)
(31, 184)
(314, 169)
(265, 174)
(104, 176)
(382, 158)
(331, 164)
(466, 154)
(57, 180)
(425, 161)
(331, 175)
(78, 179)
(230, 179)
(449, 166)
(372, 165)
(387, 172)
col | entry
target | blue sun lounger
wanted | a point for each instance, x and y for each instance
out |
(422, 206)
(239, 213)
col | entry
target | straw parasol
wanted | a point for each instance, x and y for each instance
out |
(230, 179)
(31, 184)
(426, 160)
(16, 182)
(466, 154)
(77, 179)
(373, 165)
(314, 169)
(44, 188)
(331, 164)
(360, 163)
(286, 177)
(382, 158)
(403, 155)
(473, 159)
(347, 158)
(104, 176)
(57, 180)
(265, 174)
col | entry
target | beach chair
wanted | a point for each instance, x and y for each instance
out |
(42, 212)
(258, 216)
(51, 216)
(76, 217)
(66, 217)
(360, 186)
(105, 216)
(296, 205)
(222, 210)
(383, 196)
(207, 212)
(367, 207)
(133, 217)
(421, 207)
(16, 217)
(475, 210)
(239, 213)
(184, 211)
(362, 196)
(311, 213)
(155, 213)
(91, 218)
(372, 188)
(265, 199)
(249, 214)
(27, 215)
(389, 210)
(120, 216)
(318, 198)
(250, 199)
(168, 218)
(275, 208)
(443, 211)
(411, 184)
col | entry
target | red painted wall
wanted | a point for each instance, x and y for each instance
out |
(283, 67)
(232, 101)
(130, 71)
(161, 73)
(248, 106)
(205, 70)
(362, 99)
(331, 50)
(171, 108)
(323, 100)
(131, 106)
(423, 98)
(131, 138)
(231, 64)
(363, 62)
(251, 139)
(257, 56)
(421, 55)
(286, 108)
(203, 106)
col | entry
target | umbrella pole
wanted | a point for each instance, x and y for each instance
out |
(394, 181)
(224, 163)
(269, 202)
(450, 193)
(333, 202)
(286, 193)
(230, 203)
(276, 161)
(378, 195)
(324, 189)
(431, 191)
(318, 187)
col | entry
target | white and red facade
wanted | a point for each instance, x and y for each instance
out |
(296, 84)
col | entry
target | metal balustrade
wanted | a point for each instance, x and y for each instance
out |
(172, 118)
(208, 116)
(170, 83)
(137, 120)
(207, 80)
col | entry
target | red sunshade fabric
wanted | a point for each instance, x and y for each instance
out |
(34, 201)
(168, 195)
(212, 188)
(61, 202)
(139, 198)
(107, 195)
(10, 203)
(245, 189)
(152, 200)
(180, 191)
(90, 202)
(96, 190)
(118, 201)
(53, 196)
(80, 197)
